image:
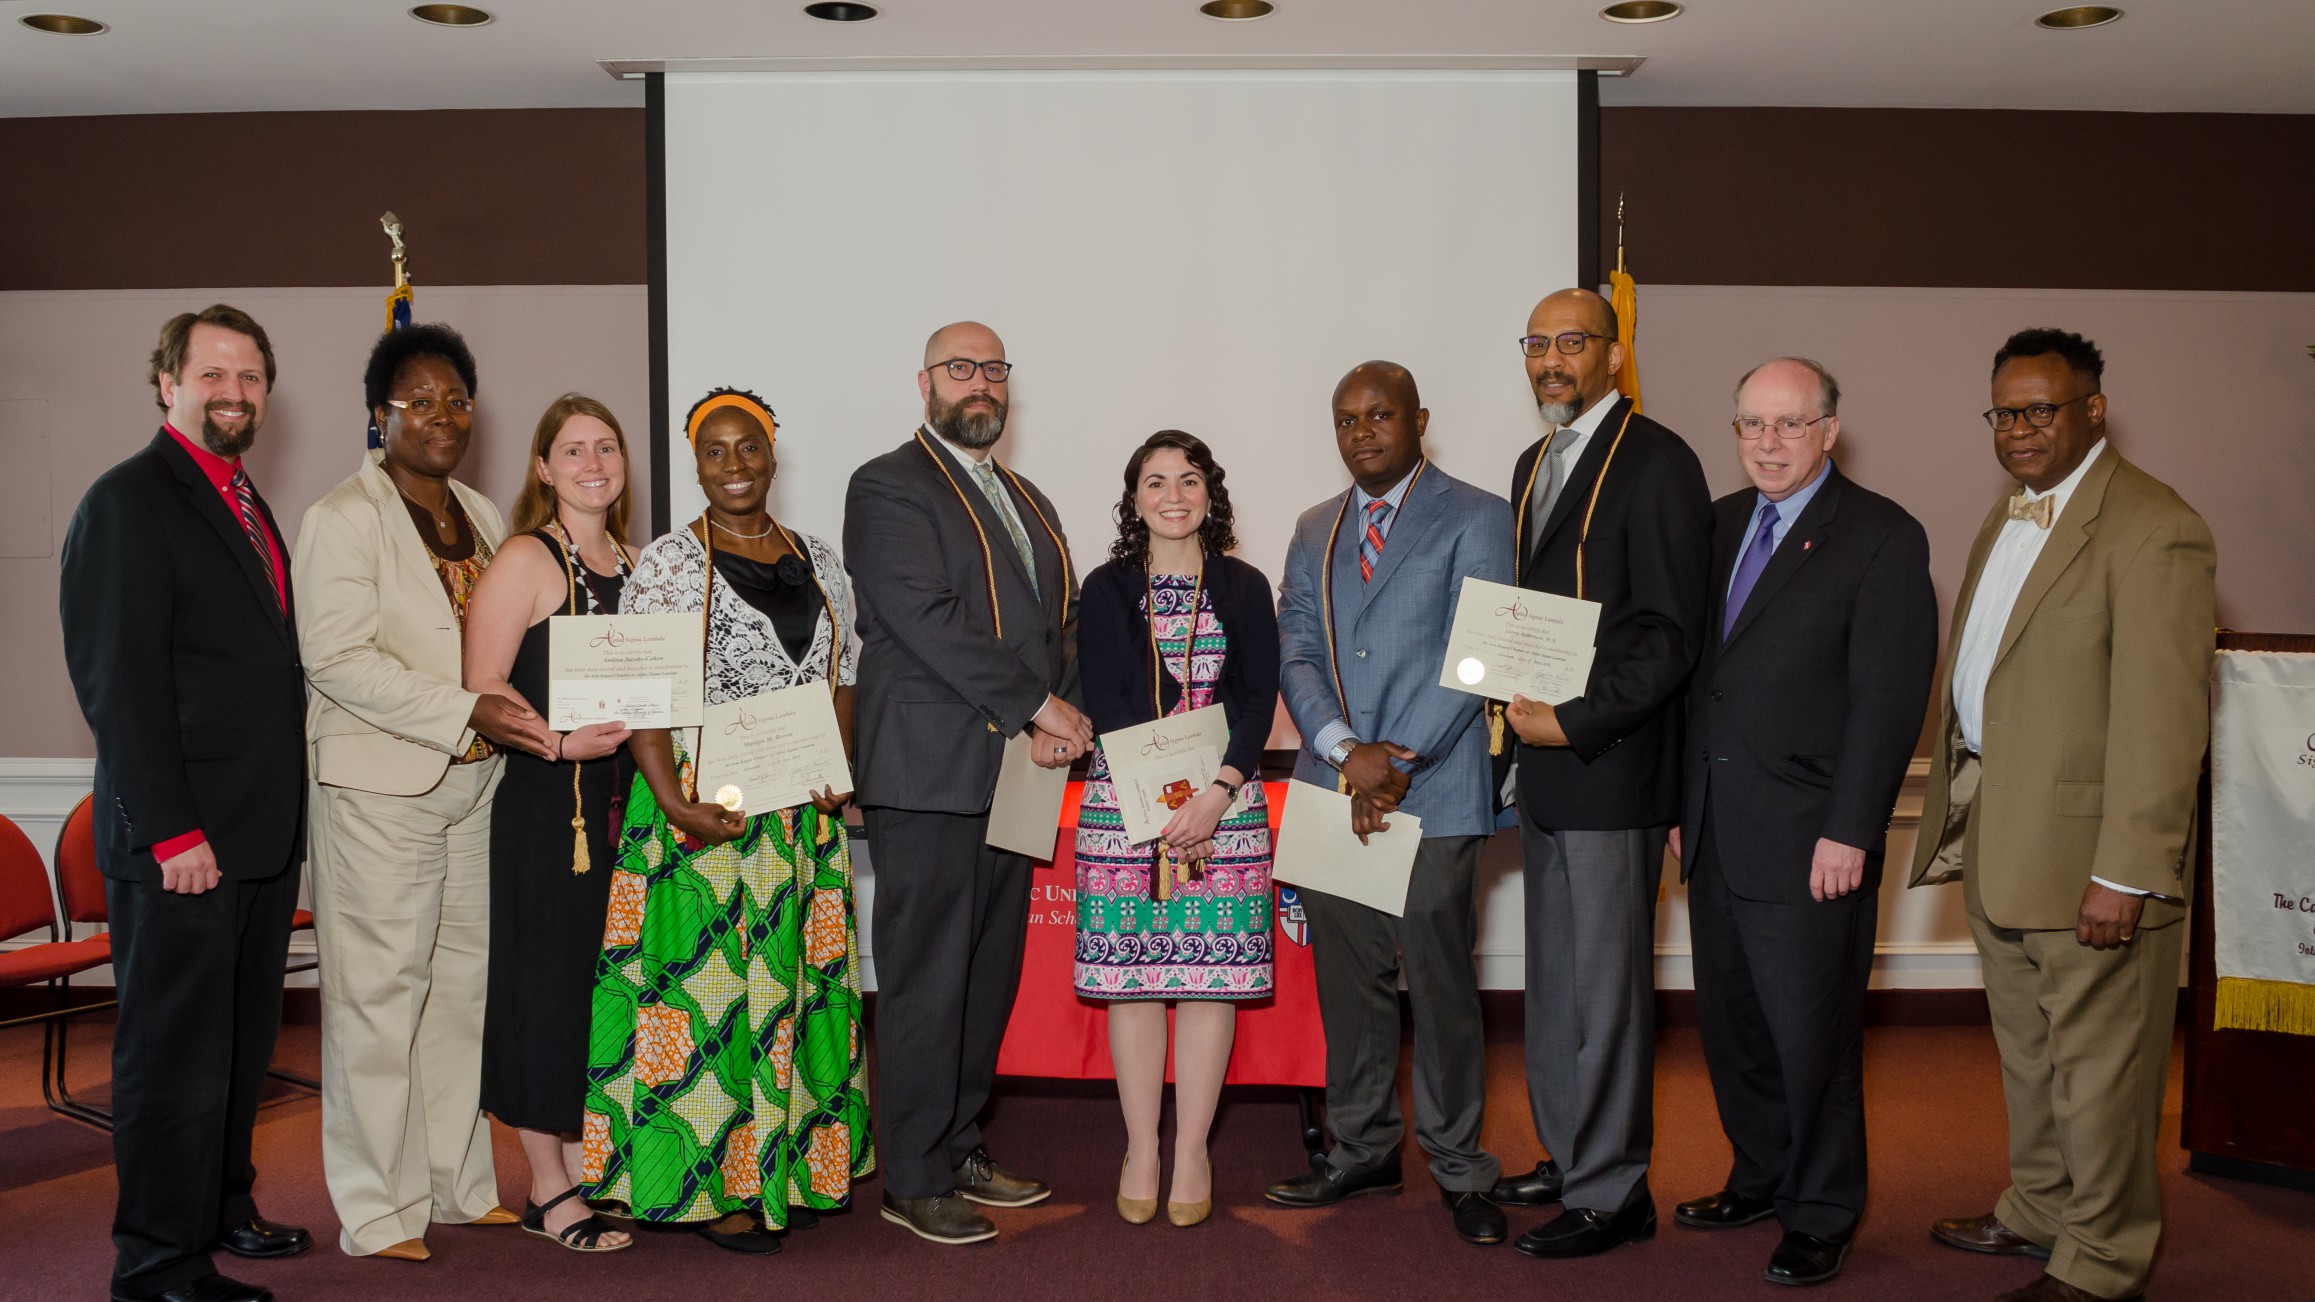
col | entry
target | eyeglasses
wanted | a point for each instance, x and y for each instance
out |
(2039, 414)
(1750, 428)
(962, 368)
(1571, 342)
(424, 407)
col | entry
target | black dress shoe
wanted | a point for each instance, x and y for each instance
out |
(1537, 1188)
(1476, 1219)
(1587, 1232)
(209, 1288)
(942, 1218)
(1805, 1259)
(1327, 1187)
(259, 1237)
(983, 1181)
(1723, 1211)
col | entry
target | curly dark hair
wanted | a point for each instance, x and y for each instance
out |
(396, 349)
(2080, 355)
(1217, 533)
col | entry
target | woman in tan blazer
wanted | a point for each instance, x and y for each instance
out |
(404, 762)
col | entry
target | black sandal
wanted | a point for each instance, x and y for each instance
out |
(579, 1236)
(756, 1240)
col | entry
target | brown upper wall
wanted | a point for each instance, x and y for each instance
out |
(1718, 196)
(1978, 198)
(488, 197)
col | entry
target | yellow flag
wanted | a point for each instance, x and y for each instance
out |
(1624, 297)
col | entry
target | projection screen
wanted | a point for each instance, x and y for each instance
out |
(1206, 251)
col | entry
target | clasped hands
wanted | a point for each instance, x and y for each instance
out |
(1059, 735)
(1376, 785)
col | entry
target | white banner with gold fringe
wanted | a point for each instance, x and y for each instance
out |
(2262, 854)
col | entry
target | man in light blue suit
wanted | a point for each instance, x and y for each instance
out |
(1360, 675)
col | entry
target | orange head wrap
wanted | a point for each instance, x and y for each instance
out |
(743, 401)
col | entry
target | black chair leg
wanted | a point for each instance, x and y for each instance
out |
(54, 1042)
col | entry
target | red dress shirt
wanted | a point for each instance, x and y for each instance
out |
(219, 472)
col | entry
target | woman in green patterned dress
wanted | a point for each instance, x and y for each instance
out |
(725, 1075)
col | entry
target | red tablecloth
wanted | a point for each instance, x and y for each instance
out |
(1055, 1033)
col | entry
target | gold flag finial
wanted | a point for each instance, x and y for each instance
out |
(393, 227)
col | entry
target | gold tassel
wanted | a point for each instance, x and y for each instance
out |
(2249, 1004)
(581, 861)
(1495, 737)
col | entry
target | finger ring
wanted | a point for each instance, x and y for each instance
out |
(1059, 749)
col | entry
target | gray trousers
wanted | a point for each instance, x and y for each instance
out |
(1591, 1005)
(1359, 953)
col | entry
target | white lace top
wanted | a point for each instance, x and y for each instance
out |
(744, 654)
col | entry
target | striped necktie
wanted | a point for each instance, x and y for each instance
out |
(1370, 543)
(245, 506)
(985, 475)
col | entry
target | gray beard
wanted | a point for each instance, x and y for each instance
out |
(1559, 414)
(976, 430)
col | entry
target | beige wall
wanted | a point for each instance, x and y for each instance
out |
(73, 401)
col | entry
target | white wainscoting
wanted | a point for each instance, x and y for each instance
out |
(1924, 941)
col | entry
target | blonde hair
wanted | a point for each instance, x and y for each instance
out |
(535, 506)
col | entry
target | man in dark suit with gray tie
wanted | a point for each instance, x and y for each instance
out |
(968, 630)
(1801, 719)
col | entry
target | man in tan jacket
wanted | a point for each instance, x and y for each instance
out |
(2075, 714)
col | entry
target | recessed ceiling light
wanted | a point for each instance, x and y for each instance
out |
(2078, 17)
(1237, 11)
(451, 15)
(836, 11)
(1641, 11)
(62, 24)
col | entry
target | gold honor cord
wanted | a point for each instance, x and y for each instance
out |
(988, 562)
(1496, 740)
(581, 860)
(1164, 868)
(1326, 598)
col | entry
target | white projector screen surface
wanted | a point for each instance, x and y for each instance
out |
(1198, 251)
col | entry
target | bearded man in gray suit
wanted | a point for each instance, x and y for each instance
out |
(968, 632)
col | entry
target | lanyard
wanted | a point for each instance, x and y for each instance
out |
(988, 562)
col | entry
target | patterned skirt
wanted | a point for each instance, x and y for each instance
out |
(1210, 940)
(725, 1070)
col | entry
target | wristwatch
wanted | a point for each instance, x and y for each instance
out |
(1228, 787)
(1341, 752)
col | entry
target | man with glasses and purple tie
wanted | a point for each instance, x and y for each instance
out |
(1801, 720)
(1611, 508)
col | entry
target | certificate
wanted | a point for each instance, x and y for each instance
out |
(1025, 814)
(623, 648)
(636, 702)
(1157, 766)
(1515, 641)
(775, 749)
(1317, 851)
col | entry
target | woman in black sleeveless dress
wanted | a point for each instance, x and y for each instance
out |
(554, 825)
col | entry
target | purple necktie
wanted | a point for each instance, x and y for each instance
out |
(1748, 569)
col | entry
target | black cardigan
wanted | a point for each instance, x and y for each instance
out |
(1113, 654)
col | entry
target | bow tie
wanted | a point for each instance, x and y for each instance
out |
(2037, 510)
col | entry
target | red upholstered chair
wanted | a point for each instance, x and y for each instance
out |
(80, 889)
(26, 905)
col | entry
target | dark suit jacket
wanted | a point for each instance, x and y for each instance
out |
(1800, 726)
(186, 669)
(939, 690)
(1647, 564)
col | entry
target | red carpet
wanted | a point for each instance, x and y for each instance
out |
(1937, 1132)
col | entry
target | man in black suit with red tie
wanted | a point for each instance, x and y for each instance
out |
(179, 635)
(1801, 719)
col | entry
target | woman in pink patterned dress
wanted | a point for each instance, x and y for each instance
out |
(1171, 624)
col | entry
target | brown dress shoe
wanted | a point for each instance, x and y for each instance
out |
(497, 1216)
(1985, 1234)
(406, 1250)
(2050, 1288)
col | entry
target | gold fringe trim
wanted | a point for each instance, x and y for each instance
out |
(2248, 1004)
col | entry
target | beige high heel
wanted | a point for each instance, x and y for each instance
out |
(1186, 1215)
(1136, 1211)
